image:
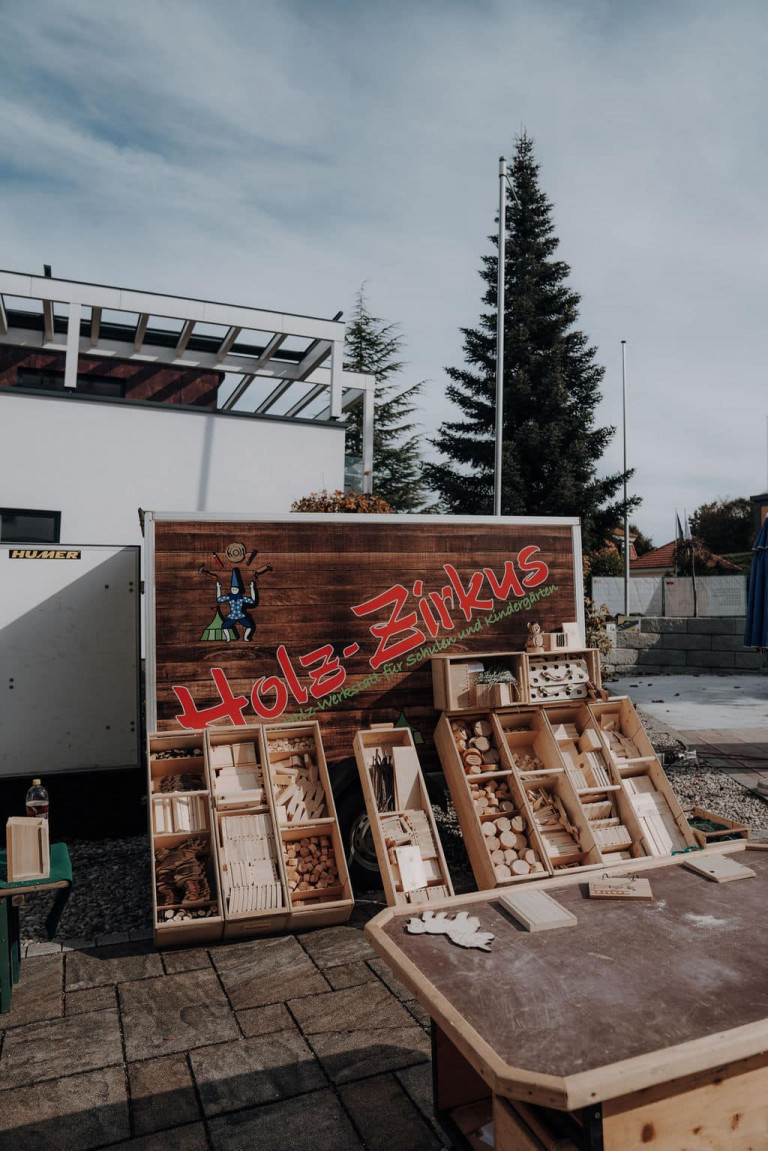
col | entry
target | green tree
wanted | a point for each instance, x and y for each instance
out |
(551, 385)
(373, 346)
(642, 542)
(606, 562)
(724, 525)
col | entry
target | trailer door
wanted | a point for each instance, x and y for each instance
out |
(69, 658)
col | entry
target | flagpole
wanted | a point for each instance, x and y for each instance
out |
(500, 336)
(626, 509)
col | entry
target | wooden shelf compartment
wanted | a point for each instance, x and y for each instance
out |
(297, 773)
(454, 680)
(321, 907)
(467, 728)
(236, 767)
(622, 732)
(558, 789)
(253, 886)
(169, 933)
(410, 800)
(661, 819)
(160, 769)
(587, 762)
(525, 735)
(727, 829)
(611, 808)
(180, 813)
(591, 687)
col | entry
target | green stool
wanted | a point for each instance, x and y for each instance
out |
(11, 896)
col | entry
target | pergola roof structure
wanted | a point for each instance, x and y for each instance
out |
(299, 358)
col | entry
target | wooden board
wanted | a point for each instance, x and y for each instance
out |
(720, 868)
(605, 888)
(536, 910)
(322, 568)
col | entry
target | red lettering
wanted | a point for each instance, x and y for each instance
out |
(289, 672)
(468, 600)
(428, 616)
(329, 676)
(263, 686)
(438, 599)
(231, 706)
(509, 582)
(395, 596)
(538, 570)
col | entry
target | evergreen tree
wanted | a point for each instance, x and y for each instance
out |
(373, 347)
(551, 385)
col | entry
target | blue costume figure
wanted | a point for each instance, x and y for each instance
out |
(239, 603)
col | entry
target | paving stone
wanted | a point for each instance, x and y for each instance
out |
(92, 999)
(417, 1081)
(258, 1070)
(351, 1055)
(118, 964)
(388, 977)
(174, 1013)
(38, 994)
(404, 1130)
(265, 971)
(177, 961)
(162, 1094)
(334, 946)
(70, 1114)
(369, 1006)
(349, 975)
(317, 1121)
(189, 1138)
(419, 1013)
(35, 949)
(263, 1020)
(78, 943)
(60, 1047)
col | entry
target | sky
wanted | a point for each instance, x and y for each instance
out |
(282, 154)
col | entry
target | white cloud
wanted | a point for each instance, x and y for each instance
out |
(281, 153)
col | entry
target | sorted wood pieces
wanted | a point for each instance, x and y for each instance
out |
(491, 795)
(630, 887)
(560, 836)
(183, 782)
(476, 745)
(298, 789)
(582, 752)
(719, 868)
(310, 866)
(381, 767)
(621, 747)
(248, 862)
(181, 872)
(28, 848)
(536, 910)
(605, 821)
(510, 849)
(557, 679)
(660, 830)
(172, 915)
(178, 753)
(526, 760)
(179, 813)
(463, 929)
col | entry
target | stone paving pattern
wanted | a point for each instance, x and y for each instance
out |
(303, 1041)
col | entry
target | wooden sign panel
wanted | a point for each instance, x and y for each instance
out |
(336, 617)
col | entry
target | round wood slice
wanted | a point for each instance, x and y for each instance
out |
(472, 757)
(482, 743)
(491, 755)
(529, 855)
(482, 727)
(497, 856)
(503, 824)
(518, 823)
(502, 871)
(510, 856)
(520, 867)
(508, 839)
(489, 829)
(492, 843)
(520, 842)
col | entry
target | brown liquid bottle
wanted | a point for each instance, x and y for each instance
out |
(37, 800)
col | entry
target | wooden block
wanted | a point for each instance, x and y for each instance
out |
(719, 868)
(412, 874)
(407, 774)
(536, 910)
(27, 845)
(620, 889)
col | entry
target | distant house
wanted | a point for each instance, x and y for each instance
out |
(661, 561)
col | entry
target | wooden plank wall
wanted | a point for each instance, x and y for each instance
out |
(319, 572)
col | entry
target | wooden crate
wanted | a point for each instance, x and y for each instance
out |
(325, 907)
(409, 794)
(588, 690)
(297, 768)
(466, 791)
(523, 734)
(28, 851)
(728, 829)
(180, 932)
(454, 676)
(559, 790)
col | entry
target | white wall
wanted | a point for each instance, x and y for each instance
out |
(97, 463)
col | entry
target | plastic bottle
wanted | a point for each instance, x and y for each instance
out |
(37, 800)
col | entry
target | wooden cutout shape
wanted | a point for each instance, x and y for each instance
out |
(464, 930)
(624, 888)
(536, 911)
(720, 868)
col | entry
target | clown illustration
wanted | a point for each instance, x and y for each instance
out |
(238, 617)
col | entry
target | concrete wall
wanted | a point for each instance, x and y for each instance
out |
(97, 462)
(685, 645)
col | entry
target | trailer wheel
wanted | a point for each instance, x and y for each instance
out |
(356, 835)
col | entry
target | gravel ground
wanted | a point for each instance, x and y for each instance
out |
(112, 877)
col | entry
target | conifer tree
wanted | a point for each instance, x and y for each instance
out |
(373, 346)
(551, 446)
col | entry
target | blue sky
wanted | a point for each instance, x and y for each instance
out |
(280, 154)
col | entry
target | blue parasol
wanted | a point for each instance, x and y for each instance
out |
(756, 626)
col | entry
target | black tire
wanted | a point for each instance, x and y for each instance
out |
(355, 833)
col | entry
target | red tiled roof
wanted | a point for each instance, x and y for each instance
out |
(664, 557)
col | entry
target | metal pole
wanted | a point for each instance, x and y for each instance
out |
(500, 336)
(626, 510)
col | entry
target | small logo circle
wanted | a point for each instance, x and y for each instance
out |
(235, 553)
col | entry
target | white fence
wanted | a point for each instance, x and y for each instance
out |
(673, 596)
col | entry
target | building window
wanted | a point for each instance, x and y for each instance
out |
(86, 385)
(27, 526)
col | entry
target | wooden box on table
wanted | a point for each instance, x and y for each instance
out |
(312, 853)
(725, 829)
(180, 831)
(400, 814)
(455, 686)
(560, 677)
